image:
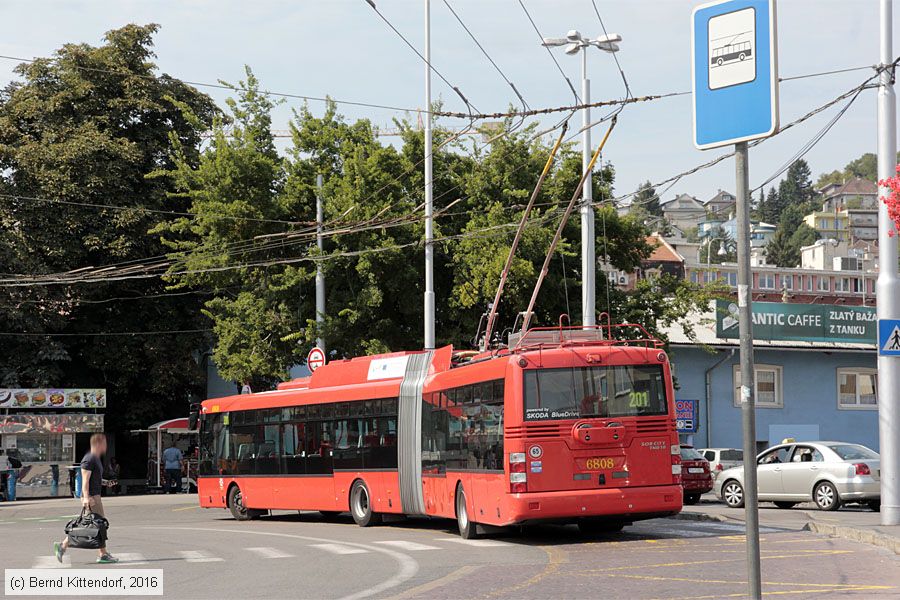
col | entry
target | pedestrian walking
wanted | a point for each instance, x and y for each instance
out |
(172, 457)
(4, 475)
(91, 486)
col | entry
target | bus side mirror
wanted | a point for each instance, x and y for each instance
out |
(194, 416)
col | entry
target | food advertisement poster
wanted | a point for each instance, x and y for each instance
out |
(63, 423)
(51, 398)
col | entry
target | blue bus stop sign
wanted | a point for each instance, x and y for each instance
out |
(735, 72)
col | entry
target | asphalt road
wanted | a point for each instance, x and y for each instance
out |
(205, 554)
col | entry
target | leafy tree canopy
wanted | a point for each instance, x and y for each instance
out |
(87, 126)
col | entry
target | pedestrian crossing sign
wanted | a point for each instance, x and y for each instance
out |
(889, 337)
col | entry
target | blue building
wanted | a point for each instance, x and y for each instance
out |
(815, 374)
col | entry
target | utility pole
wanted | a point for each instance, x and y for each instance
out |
(429, 192)
(748, 385)
(887, 287)
(588, 251)
(320, 274)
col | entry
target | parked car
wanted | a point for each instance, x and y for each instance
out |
(722, 459)
(827, 473)
(696, 478)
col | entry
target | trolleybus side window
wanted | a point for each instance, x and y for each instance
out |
(312, 439)
(463, 428)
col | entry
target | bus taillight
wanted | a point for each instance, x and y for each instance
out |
(676, 464)
(518, 478)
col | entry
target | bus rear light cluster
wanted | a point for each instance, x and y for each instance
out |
(518, 478)
(676, 464)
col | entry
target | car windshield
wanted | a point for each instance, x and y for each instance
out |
(615, 391)
(688, 453)
(854, 452)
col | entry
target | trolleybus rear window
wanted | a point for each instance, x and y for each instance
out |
(573, 393)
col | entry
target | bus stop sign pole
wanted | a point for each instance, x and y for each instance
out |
(735, 93)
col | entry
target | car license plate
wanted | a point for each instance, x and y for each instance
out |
(695, 470)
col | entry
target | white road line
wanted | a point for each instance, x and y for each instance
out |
(267, 552)
(476, 543)
(32, 518)
(407, 565)
(130, 558)
(339, 549)
(196, 556)
(50, 562)
(48, 521)
(404, 545)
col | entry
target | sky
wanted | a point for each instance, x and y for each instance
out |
(342, 48)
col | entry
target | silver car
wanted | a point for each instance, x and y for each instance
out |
(827, 473)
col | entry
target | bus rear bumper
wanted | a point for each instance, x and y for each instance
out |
(629, 504)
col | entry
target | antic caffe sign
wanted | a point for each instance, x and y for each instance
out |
(774, 321)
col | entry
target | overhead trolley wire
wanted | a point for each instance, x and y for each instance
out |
(550, 52)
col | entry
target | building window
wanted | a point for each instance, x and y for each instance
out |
(857, 388)
(768, 386)
(824, 284)
(787, 282)
(767, 281)
(732, 278)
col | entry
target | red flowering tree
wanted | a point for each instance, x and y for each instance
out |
(893, 199)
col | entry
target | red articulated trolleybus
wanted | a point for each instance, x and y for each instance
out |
(563, 425)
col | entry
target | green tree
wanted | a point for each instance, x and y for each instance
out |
(780, 251)
(86, 127)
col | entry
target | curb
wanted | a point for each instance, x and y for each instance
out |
(873, 538)
(692, 516)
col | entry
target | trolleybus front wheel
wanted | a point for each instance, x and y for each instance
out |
(236, 505)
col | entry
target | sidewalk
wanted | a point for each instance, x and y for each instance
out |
(852, 523)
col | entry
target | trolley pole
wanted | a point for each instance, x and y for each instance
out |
(429, 192)
(887, 287)
(320, 274)
(748, 389)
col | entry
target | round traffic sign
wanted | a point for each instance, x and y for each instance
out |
(315, 359)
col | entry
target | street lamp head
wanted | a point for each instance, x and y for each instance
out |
(722, 251)
(607, 47)
(573, 48)
(611, 38)
(554, 42)
(574, 36)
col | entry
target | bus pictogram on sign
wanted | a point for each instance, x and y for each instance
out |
(315, 359)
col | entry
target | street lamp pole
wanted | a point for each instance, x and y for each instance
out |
(588, 250)
(576, 43)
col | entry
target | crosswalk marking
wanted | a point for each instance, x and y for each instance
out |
(266, 552)
(50, 562)
(196, 556)
(339, 549)
(130, 558)
(476, 543)
(411, 546)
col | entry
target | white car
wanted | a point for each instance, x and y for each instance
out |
(827, 473)
(722, 459)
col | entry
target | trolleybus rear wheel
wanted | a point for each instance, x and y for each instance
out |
(361, 505)
(466, 526)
